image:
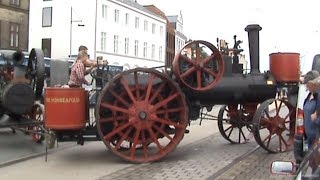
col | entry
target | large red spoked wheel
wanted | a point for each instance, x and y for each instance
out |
(144, 108)
(274, 125)
(37, 113)
(199, 65)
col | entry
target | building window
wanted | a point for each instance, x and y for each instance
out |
(115, 43)
(160, 53)
(15, 2)
(116, 15)
(161, 31)
(103, 41)
(136, 46)
(104, 11)
(127, 19)
(145, 48)
(46, 47)
(126, 46)
(47, 17)
(136, 23)
(14, 35)
(153, 28)
(153, 49)
(145, 25)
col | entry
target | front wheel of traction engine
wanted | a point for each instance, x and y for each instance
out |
(274, 125)
(143, 110)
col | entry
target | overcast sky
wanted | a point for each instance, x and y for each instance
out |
(287, 25)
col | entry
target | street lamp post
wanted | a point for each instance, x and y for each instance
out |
(71, 22)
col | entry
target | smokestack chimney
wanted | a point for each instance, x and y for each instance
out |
(253, 37)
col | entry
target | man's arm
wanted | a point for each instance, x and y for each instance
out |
(93, 63)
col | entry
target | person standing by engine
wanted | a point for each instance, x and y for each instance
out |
(310, 106)
(78, 71)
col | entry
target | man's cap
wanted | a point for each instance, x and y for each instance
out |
(311, 75)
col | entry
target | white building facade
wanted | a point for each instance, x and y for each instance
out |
(121, 31)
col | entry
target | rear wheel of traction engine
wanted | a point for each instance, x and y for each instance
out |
(202, 68)
(36, 71)
(274, 125)
(144, 108)
(37, 113)
(235, 122)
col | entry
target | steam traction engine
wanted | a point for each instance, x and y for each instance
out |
(142, 114)
(21, 85)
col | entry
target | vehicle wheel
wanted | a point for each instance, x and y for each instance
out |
(274, 125)
(36, 71)
(235, 123)
(139, 107)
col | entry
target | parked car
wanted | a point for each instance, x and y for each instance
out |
(309, 167)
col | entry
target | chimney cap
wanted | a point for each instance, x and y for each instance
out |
(253, 27)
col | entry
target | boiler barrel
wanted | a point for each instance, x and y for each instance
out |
(238, 88)
(65, 108)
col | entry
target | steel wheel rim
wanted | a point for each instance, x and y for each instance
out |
(206, 72)
(139, 120)
(274, 129)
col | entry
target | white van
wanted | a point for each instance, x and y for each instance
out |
(300, 145)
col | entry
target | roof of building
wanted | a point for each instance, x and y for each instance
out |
(135, 4)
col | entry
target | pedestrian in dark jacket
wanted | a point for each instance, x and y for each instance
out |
(311, 104)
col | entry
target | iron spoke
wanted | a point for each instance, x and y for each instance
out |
(207, 59)
(115, 108)
(116, 131)
(156, 93)
(267, 138)
(230, 132)
(198, 53)
(164, 133)
(153, 136)
(123, 137)
(168, 122)
(210, 72)
(149, 88)
(188, 72)
(188, 60)
(144, 144)
(164, 102)
(112, 119)
(173, 110)
(127, 88)
(118, 97)
(137, 85)
(199, 79)
(135, 142)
